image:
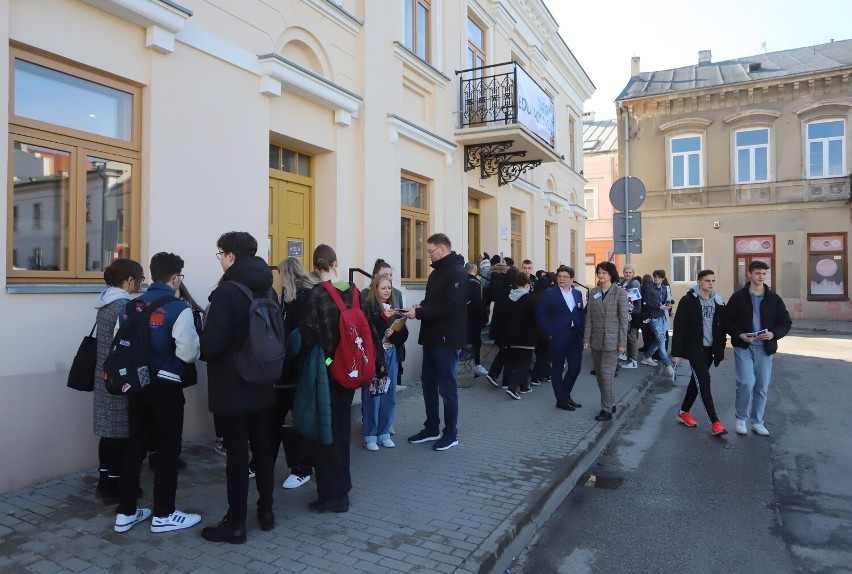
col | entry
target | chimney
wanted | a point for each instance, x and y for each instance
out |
(704, 57)
(634, 67)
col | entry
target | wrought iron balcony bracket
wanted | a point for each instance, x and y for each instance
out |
(510, 171)
(473, 154)
(490, 163)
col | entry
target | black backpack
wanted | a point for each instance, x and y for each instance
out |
(261, 358)
(127, 366)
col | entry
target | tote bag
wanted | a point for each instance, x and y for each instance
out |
(81, 377)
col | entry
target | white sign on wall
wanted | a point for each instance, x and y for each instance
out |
(535, 108)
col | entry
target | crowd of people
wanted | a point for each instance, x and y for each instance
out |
(540, 324)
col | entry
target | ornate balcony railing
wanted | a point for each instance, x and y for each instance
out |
(505, 94)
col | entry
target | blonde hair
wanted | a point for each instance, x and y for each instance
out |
(292, 277)
(373, 299)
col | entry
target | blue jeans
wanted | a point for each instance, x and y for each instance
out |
(659, 326)
(753, 371)
(439, 378)
(379, 410)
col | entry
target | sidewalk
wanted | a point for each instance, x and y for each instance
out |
(470, 509)
(822, 326)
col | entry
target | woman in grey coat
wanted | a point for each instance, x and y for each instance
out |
(123, 277)
(607, 320)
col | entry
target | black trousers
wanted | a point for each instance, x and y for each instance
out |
(541, 367)
(155, 417)
(239, 431)
(111, 455)
(331, 461)
(295, 447)
(499, 361)
(475, 341)
(699, 383)
(517, 370)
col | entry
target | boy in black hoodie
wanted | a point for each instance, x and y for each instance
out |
(520, 342)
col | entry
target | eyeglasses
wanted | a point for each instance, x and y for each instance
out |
(433, 250)
(140, 280)
(219, 254)
(181, 276)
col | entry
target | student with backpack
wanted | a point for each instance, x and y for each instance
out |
(155, 413)
(347, 365)
(241, 378)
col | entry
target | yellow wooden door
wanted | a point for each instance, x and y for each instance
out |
(290, 220)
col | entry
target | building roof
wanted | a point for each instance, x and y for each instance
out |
(600, 137)
(785, 63)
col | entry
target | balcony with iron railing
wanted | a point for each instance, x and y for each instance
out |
(506, 121)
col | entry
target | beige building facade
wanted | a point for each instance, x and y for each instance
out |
(742, 160)
(600, 168)
(139, 126)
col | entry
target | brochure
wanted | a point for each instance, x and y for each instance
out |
(756, 333)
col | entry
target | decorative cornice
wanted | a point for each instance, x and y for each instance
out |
(162, 19)
(751, 113)
(277, 72)
(556, 199)
(425, 68)
(528, 186)
(402, 127)
(821, 103)
(684, 122)
(335, 12)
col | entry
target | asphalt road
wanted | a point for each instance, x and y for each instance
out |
(667, 498)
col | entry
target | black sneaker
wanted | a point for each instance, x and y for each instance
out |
(424, 436)
(338, 505)
(535, 383)
(513, 394)
(493, 381)
(526, 390)
(603, 416)
(225, 531)
(446, 442)
(266, 519)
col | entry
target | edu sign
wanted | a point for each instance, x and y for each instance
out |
(535, 108)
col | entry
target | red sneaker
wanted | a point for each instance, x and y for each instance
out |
(687, 419)
(717, 429)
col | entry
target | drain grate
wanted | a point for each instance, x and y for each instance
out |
(606, 482)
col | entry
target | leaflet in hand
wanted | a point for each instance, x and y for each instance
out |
(756, 333)
(398, 324)
(634, 294)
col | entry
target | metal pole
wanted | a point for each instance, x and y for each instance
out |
(627, 188)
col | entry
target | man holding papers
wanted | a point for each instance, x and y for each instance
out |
(756, 318)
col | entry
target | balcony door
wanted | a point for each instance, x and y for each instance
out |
(477, 99)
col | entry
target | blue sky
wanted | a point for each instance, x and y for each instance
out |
(604, 35)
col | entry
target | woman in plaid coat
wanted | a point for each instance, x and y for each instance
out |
(123, 277)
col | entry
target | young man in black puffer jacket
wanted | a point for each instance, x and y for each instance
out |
(443, 333)
(243, 408)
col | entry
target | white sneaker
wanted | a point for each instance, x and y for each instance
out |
(631, 364)
(622, 356)
(480, 370)
(177, 520)
(124, 522)
(670, 371)
(371, 446)
(295, 481)
(760, 429)
(649, 361)
(388, 443)
(741, 427)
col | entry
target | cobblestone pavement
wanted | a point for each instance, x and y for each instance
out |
(466, 510)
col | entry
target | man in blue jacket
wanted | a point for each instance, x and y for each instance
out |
(560, 314)
(443, 333)
(155, 414)
(756, 318)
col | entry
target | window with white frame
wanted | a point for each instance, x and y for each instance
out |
(687, 259)
(826, 148)
(752, 155)
(685, 159)
(591, 203)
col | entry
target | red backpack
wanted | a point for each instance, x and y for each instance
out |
(354, 362)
